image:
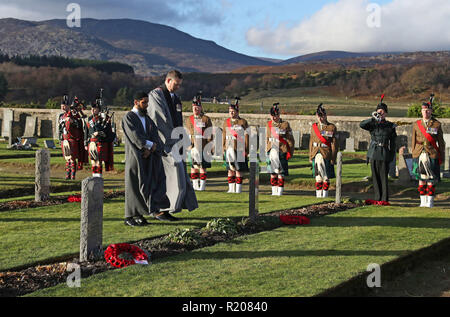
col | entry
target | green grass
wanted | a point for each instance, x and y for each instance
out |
(41, 233)
(289, 261)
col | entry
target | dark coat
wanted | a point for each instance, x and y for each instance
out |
(382, 146)
(145, 190)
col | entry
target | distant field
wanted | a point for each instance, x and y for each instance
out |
(305, 101)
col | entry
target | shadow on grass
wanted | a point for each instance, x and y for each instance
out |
(201, 255)
(401, 222)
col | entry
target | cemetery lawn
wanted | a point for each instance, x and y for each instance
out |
(288, 261)
(34, 235)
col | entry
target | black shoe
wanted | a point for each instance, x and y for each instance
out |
(164, 216)
(131, 222)
(141, 221)
(171, 217)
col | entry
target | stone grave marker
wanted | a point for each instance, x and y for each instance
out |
(42, 178)
(91, 219)
(30, 126)
(350, 145)
(8, 115)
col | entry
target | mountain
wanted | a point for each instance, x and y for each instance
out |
(150, 48)
(330, 55)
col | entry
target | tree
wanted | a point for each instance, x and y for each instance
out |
(3, 86)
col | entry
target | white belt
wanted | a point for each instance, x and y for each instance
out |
(319, 144)
(230, 137)
(274, 140)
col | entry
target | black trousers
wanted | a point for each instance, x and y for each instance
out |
(380, 170)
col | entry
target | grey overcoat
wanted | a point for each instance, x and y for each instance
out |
(145, 190)
(179, 187)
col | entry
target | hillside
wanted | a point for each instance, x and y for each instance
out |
(150, 48)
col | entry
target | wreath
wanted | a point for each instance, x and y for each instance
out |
(379, 203)
(294, 220)
(114, 250)
(74, 199)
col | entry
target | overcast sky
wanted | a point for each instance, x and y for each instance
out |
(274, 28)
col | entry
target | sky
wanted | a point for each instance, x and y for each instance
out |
(274, 28)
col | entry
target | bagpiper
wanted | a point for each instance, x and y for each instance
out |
(73, 140)
(322, 152)
(99, 140)
(428, 153)
(235, 141)
(381, 151)
(199, 127)
(280, 148)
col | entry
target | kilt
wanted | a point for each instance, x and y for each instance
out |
(283, 162)
(77, 150)
(240, 166)
(434, 166)
(328, 167)
(105, 152)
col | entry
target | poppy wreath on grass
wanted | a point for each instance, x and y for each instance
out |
(74, 199)
(114, 250)
(294, 220)
(379, 203)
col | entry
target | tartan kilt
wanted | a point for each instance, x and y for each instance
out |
(77, 150)
(105, 152)
(240, 167)
(435, 168)
(329, 168)
(283, 162)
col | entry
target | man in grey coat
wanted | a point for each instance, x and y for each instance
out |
(165, 109)
(145, 191)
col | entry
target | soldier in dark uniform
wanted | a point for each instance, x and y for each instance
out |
(323, 151)
(99, 141)
(279, 148)
(199, 127)
(381, 151)
(235, 141)
(428, 153)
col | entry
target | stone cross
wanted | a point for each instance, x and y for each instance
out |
(42, 178)
(91, 219)
(339, 178)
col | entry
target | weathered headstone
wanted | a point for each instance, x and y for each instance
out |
(42, 178)
(297, 140)
(339, 178)
(254, 191)
(30, 126)
(49, 144)
(8, 115)
(91, 218)
(10, 134)
(350, 145)
(404, 173)
(218, 146)
(446, 171)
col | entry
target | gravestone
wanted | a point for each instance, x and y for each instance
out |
(49, 144)
(8, 115)
(10, 134)
(305, 141)
(446, 172)
(218, 146)
(350, 145)
(253, 192)
(297, 140)
(56, 127)
(42, 178)
(405, 177)
(91, 219)
(339, 178)
(30, 126)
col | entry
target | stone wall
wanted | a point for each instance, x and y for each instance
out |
(348, 127)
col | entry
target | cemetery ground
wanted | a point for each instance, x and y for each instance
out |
(274, 261)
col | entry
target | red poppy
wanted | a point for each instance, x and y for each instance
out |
(294, 220)
(114, 250)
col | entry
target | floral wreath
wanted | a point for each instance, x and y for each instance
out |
(294, 220)
(74, 199)
(379, 203)
(114, 250)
